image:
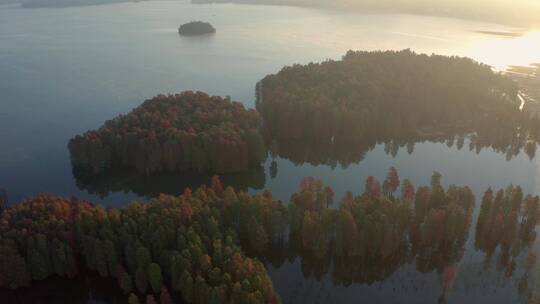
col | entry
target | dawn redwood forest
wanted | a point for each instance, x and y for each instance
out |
(238, 151)
(211, 244)
(187, 131)
(391, 94)
(332, 109)
(204, 246)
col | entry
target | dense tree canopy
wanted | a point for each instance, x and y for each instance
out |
(334, 112)
(368, 237)
(378, 231)
(204, 246)
(187, 131)
(177, 242)
(383, 93)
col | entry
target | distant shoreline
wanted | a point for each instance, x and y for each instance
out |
(466, 13)
(501, 34)
(501, 16)
(69, 3)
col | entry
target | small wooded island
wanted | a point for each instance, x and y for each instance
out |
(196, 28)
(191, 131)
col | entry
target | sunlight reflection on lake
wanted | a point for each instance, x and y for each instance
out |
(502, 52)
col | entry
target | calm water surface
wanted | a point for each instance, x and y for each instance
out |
(63, 71)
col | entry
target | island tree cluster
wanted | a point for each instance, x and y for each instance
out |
(196, 28)
(368, 237)
(378, 231)
(384, 93)
(326, 113)
(191, 131)
(507, 221)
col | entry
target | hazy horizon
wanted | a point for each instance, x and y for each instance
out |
(523, 13)
(519, 13)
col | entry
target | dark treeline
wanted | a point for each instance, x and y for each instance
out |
(387, 94)
(87, 288)
(183, 132)
(194, 246)
(299, 152)
(118, 180)
(336, 153)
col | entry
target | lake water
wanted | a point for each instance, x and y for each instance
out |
(63, 71)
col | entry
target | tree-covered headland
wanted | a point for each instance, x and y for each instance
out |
(384, 93)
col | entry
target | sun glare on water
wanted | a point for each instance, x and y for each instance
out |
(504, 52)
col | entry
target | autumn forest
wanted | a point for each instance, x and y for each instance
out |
(213, 243)
(321, 113)
(204, 246)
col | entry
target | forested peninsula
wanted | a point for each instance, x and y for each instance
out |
(191, 131)
(205, 246)
(369, 93)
